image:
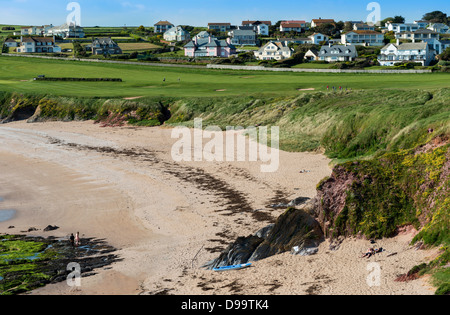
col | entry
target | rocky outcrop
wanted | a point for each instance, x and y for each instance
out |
(295, 228)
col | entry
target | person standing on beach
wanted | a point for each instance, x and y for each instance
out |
(72, 239)
(77, 239)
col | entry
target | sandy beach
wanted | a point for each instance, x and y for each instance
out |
(122, 185)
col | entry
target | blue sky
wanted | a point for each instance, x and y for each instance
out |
(200, 12)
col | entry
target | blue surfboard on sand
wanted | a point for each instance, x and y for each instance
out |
(235, 267)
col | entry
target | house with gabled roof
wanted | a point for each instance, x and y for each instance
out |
(363, 27)
(312, 55)
(177, 34)
(292, 26)
(366, 37)
(418, 35)
(439, 28)
(274, 50)
(320, 21)
(220, 27)
(335, 53)
(243, 37)
(38, 45)
(209, 47)
(105, 46)
(260, 27)
(162, 26)
(392, 54)
(10, 43)
(403, 27)
(66, 31)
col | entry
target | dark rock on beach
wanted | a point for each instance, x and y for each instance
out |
(296, 228)
(51, 228)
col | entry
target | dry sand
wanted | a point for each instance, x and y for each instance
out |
(121, 184)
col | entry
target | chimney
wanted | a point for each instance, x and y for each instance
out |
(196, 40)
(209, 39)
(229, 41)
(398, 41)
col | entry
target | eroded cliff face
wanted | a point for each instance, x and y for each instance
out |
(374, 198)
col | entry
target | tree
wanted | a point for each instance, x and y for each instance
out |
(384, 22)
(436, 17)
(445, 55)
(348, 27)
(141, 28)
(327, 29)
(398, 19)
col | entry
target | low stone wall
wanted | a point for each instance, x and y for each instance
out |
(259, 68)
(227, 67)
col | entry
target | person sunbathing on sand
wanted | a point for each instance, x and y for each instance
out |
(369, 253)
(372, 251)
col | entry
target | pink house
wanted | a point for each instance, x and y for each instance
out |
(209, 47)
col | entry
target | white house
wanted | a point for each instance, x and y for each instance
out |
(445, 44)
(439, 28)
(312, 54)
(66, 31)
(10, 43)
(315, 39)
(176, 34)
(363, 27)
(318, 38)
(243, 37)
(38, 45)
(292, 26)
(370, 38)
(162, 26)
(35, 30)
(202, 35)
(335, 53)
(422, 23)
(418, 35)
(403, 27)
(260, 27)
(436, 45)
(406, 52)
(274, 51)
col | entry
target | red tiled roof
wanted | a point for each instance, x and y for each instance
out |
(323, 21)
(163, 23)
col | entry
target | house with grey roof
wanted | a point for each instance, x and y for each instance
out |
(105, 46)
(66, 31)
(243, 37)
(176, 34)
(38, 45)
(202, 35)
(209, 47)
(10, 43)
(392, 54)
(418, 35)
(440, 28)
(335, 53)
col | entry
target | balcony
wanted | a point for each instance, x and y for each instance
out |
(401, 58)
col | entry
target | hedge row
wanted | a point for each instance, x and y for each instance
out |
(79, 79)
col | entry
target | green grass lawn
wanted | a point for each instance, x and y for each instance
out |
(16, 75)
